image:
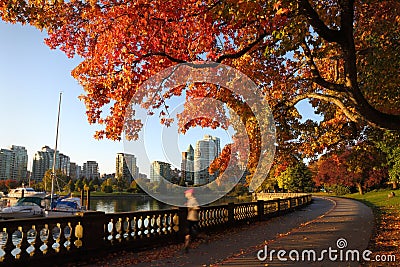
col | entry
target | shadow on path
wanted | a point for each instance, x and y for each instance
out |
(345, 231)
(317, 226)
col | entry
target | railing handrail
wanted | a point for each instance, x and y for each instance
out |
(99, 231)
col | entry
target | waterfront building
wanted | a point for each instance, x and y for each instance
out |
(74, 171)
(14, 163)
(43, 161)
(143, 176)
(205, 152)
(6, 159)
(91, 170)
(187, 165)
(65, 164)
(126, 167)
(159, 170)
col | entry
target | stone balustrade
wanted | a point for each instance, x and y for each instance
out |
(38, 241)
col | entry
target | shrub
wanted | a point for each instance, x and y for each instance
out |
(340, 190)
(107, 189)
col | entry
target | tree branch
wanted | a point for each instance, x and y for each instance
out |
(373, 116)
(317, 78)
(242, 52)
(328, 98)
(319, 26)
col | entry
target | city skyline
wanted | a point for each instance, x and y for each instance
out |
(32, 75)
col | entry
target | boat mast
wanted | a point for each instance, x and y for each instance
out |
(53, 174)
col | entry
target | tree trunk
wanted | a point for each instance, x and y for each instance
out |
(360, 189)
(394, 185)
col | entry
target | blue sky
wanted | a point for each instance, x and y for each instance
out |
(31, 77)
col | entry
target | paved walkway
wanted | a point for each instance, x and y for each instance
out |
(336, 223)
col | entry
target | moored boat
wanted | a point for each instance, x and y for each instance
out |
(20, 192)
(26, 207)
(65, 206)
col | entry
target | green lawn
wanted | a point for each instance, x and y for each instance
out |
(378, 198)
(386, 238)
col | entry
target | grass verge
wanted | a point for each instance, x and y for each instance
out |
(386, 237)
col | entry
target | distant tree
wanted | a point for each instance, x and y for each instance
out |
(121, 184)
(6, 185)
(71, 186)
(390, 145)
(60, 180)
(135, 188)
(143, 183)
(91, 185)
(239, 190)
(176, 176)
(106, 188)
(96, 181)
(271, 182)
(339, 189)
(297, 178)
(328, 170)
(359, 166)
(79, 184)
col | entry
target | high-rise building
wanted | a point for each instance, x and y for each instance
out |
(159, 170)
(20, 163)
(65, 164)
(75, 171)
(13, 163)
(125, 167)
(91, 170)
(187, 165)
(6, 159)
(142, 176)
(205, 152)
(43, 161)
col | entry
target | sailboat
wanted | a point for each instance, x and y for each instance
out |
(31, 204)
(68, 205)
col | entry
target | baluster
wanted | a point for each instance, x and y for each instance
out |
(126, 229)
(134, 227)
(140, 227)
(56, 233)
(44, 237)
(67, 236)
(164, 225)
(146, 224)
(118, 230)
(175, 223)
(110, 230)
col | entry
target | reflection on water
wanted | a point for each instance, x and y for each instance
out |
(110, 205)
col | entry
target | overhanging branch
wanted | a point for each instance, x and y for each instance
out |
(315, 21)
(317, 78)
(331, 99)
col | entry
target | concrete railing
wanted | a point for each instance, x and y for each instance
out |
(48, 241)
(267, 196)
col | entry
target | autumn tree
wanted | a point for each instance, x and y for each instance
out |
(59, 179)
(6, 185)
(343, 56)
(338, 49)
(107, 186)
(79, 184)
(360, 166)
